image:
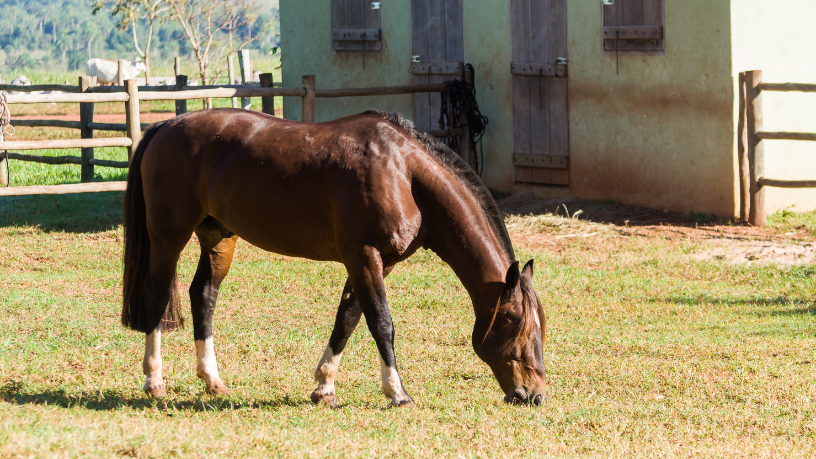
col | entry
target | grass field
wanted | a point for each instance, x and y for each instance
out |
(650, 352)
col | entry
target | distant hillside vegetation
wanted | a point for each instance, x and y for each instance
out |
(60, 35)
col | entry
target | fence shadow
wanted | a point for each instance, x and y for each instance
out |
(108, 400)
(72, 213)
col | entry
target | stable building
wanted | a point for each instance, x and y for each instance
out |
(637, 101)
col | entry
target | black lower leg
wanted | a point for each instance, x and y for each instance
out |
(348, 316)
(203, 296)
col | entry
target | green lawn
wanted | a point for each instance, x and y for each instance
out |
(649, 352)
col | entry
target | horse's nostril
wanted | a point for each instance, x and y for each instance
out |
(520, 393)
(538, 400)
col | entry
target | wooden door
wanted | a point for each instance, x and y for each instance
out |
(437, 39)
(539, 88)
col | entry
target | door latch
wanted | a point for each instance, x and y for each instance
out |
(562, 61)
(415, 59)
(608, 2)
(376, 5)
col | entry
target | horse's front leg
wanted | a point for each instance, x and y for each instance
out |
(367, 279)
(348, 315)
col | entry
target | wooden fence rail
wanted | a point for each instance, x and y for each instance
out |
(87, 93)
(752, 150)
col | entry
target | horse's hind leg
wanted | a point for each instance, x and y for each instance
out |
(217, 246)
(348, 315)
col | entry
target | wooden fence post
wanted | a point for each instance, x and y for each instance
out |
(132, 122)
(307, 104)
(267, 103)
(3, 166)
(181, 105)
(86, 115)
(246, 75)
(177, 65)
(120, 72)
(231, 74)
(755, 150)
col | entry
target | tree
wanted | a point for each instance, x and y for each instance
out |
(129, 13)
(210, 25)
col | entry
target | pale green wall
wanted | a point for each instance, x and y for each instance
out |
(306, 49)
(660, 133)
(778, 38)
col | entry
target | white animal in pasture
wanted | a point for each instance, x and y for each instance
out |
(20, 80)
(106, 71)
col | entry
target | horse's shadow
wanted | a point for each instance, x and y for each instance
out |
(109, 400)
(72, 213)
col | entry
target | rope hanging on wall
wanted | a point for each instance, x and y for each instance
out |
(459, 101)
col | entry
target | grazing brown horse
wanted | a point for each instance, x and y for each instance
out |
(367, 191)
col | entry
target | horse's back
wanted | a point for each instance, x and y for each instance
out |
(301, 189)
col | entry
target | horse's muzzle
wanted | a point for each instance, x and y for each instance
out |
(521, 397)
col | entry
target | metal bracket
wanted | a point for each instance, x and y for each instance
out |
(376, 5)
(608, 2)
(415, 59)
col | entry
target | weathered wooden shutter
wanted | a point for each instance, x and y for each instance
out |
(538, 31)
(437, 42)
(356, 27)
(633, 27)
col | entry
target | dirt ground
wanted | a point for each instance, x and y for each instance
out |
(559, 221)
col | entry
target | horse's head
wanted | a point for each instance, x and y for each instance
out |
(512, 343)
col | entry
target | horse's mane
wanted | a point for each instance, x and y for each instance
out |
(466, 176)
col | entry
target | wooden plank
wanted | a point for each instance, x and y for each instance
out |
(39, 87)
(613, 14)
(134, 129)
(787, 87)
(307, 106)
(339, 20)
(122, 127)
(632, 12)
(742, 150)
(356, 20)
(653, 12)
(230, 77)
(633, 32)
(786, 136)
(437, 38)
(437, 68)
(419, 31)
(435, 108)
(181, 105)
(86, 112)
(543, 70)
(222, 93)
(45, 123)
(522, 174)
(246, 75)
(454, 31)
(65, 143)
(520, 30)
(373, 20)
(65, 98)
(267, 103)
(540, 175)
(756, 149)
(422, 104)
(521, 114)
(539, 83)
(762, 181)
(43, 159)
(356, 35)
(92, 187)
(536, 160)
(559, 113)
(381, 91)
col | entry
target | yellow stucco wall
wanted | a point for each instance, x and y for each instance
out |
(659, 134)
(778, 38)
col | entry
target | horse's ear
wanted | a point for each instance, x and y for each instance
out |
(528, 270)
(511, 280)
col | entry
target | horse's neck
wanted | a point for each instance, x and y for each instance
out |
(467, 243)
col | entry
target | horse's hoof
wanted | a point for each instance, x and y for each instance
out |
(328, 399)
(156, 392)
(409, 403)
(217, 390)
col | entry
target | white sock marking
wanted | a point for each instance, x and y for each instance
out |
(327, 370)
(207, 367)
(152, 363)
(391, 383)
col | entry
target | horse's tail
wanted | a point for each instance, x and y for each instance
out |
(135, 313)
